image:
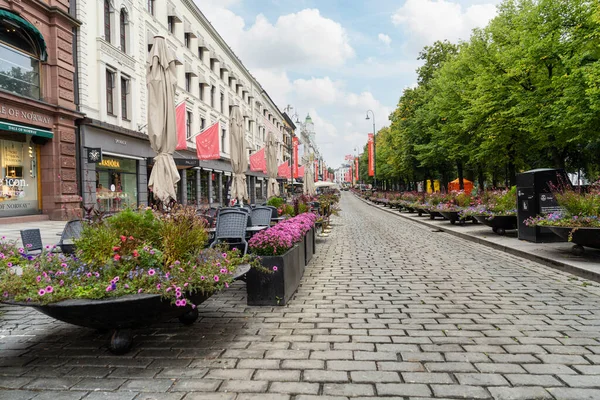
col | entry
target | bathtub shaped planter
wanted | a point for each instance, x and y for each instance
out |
(122, 314)
(581, 237)
(276, 288)
(499, 223)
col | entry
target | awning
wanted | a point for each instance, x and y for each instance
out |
(189, 69)
(202, 79)
(34, 33)
(26, 130)
(188, 28)
(172, 12)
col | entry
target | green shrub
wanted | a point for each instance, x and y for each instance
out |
(276, 202)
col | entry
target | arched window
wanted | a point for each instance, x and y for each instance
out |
(22, 48)
(107, 20)
(123, 21)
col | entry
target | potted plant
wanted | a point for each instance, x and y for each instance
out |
(453, 205)
(498, 210)
(579, 223)
(129, 270)
(281, 254)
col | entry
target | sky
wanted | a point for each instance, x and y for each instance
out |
(336, 59)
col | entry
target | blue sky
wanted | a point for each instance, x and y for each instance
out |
(335, 59)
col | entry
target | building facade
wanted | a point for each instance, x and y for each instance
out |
(114, 41)
(38, 138)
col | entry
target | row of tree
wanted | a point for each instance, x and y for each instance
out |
(522, 93)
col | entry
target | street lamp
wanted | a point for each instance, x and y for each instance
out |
(374, 149)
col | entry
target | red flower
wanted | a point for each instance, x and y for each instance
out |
(123, 238)
(135, 253)
(116, 248)
(117, 257)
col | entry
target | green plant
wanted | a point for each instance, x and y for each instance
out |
(183, 234)
(276, 202)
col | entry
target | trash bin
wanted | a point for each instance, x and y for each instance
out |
(534, 197)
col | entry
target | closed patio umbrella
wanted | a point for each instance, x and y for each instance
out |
(162, 130)
(308, 184)
(272, 186)
(239, 157)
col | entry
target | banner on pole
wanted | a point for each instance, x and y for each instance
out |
(356, 168)
(295, 150)
(207, 143)
(371, 155)
(180, 122)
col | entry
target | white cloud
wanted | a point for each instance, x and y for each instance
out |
(426, 21)
(295, 40)
(385, 39)
(317, 90)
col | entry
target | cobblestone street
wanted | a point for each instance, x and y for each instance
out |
(387, 308)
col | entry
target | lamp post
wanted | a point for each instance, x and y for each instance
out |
(374, 149)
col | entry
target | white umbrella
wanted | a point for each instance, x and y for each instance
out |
(162, 129)
(272, 186)
(322, 184)
(239, 157)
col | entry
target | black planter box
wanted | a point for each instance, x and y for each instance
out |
(276, 289)
(309, 246)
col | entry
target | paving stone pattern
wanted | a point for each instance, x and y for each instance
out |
(387, 308)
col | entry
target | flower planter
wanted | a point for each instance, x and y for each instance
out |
(122, 314)
(433, 214)
(275, 289)
(454, 217)
(582, 237)
(499, 224)
(309, 245)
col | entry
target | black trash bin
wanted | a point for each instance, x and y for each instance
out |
(534, 197)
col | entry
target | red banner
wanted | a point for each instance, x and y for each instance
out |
(180, 120)
(295, 156)
(301, 171)
(371, 155)
(316, 170)
(207, 143)
(284, 170)
(356, 168)
(258, 162)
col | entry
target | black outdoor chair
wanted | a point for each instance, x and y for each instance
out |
(261, 216)
(73, 230)
(231, 228)
(274, 212)
(32, 240)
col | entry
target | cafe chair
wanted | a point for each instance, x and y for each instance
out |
(231, 228)
(73, 230)
(32, 240)
(261, 216)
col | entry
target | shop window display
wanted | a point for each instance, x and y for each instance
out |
(116, 184)
(19, 180)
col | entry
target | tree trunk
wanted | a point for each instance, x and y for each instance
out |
(481, 178)
(461, 177)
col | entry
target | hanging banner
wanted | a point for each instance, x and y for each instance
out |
(316, 170)
(356, 168)
(348, 157)
(371, 155)
(180, 121)
(295, 156)
(207, 143)
(258, 162)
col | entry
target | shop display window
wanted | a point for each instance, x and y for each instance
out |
(19, 180)
(116, 184)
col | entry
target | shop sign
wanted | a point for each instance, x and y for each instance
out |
(110, 163)
(94, 155)
(24, 114)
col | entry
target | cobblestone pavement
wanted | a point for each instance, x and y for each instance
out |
(387, 308)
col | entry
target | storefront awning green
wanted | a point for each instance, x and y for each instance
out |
(30, 28)
(26, 130)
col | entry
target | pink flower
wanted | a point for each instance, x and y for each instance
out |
(123, 238)
(126, 286)
(226, 285)
(116, 279)
(49, 289)
(109, 288)
(183, 302)
(274, 269)
(216, 278)
(151, 272)
(64, 265)
(202, 278)
(117, 257)
(140, 291)
(223, 270)
(158, 285)
(61, 283)
(116, 248)
(135, 253)
(39, 278)
(41, 292)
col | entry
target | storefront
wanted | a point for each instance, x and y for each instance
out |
(116, 184)
(38, 174)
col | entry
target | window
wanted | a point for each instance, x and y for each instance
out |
(187, 39)
(202, 91)
(188, 124)
(212, 64)
(19, 61)
(171, 24)
(202, 123)
(110, 84)
(222, 74)
(213, 93)
(188, 82)
(151, 7)
(123, 21)
(125, 98)
(222, 102)
(201, 53)
(223, 131)
(107, 20)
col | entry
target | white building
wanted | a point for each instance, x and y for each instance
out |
(341, 173)
(113, 45)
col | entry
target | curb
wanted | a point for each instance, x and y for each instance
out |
(549, 262)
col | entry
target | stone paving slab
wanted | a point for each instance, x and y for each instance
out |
(557, 255)
(386, 309)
